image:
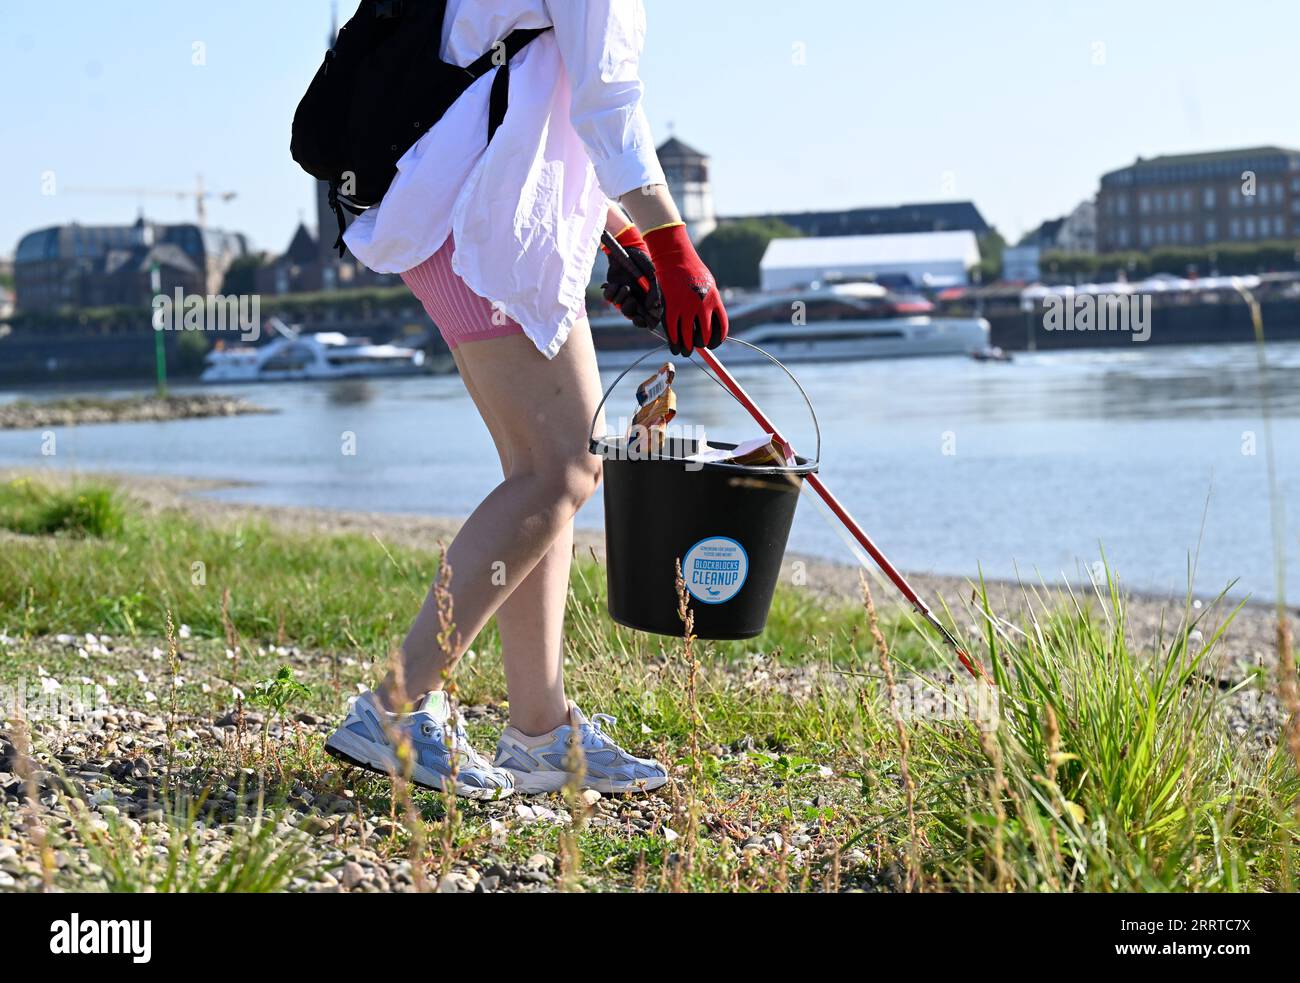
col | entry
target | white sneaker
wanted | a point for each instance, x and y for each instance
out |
(537, 764)
(368, 738)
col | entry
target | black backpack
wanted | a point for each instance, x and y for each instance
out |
(381, 87)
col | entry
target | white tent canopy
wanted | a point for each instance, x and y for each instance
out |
(930, 258)
(1160, 283)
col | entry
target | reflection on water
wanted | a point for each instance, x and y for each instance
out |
(950, 464)
(350, 392)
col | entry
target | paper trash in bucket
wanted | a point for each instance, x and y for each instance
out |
(762, 451)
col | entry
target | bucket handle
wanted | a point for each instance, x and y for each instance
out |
(737, 341)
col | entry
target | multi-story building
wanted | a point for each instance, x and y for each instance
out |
(1235, 196)
(87, 266)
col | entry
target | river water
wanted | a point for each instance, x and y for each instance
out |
(1033, 467)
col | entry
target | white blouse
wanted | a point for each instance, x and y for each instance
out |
(526, 210)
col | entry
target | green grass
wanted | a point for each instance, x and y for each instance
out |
(1089, 766)
(338, 592)
(84, 510)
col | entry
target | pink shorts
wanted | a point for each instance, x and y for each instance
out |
(460, 314)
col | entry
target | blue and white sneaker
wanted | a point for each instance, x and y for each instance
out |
(370, 735)
(538, 763)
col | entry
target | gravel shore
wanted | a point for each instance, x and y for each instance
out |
(88, 784)
(30, 415)
(110, 779)
(106, 789)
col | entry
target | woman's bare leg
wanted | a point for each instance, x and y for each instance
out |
(531, 620)
(539, 411)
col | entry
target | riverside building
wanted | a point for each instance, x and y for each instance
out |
(1233, 196)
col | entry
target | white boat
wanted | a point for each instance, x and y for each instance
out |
(323, 355)
(826, 322)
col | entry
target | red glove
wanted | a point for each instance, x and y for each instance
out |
(621, 288)
(693, 311)
(630, 238)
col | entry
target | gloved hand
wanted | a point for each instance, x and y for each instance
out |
(621, 288)
(693, 311)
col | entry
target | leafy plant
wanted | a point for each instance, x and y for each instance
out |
(274, 695)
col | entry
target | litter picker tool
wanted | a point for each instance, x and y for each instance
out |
(619, 255)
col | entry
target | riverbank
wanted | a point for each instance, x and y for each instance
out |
(1248, 647)
(1101, 764)
(27, 414)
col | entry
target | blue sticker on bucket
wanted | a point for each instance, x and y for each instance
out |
(715, 569)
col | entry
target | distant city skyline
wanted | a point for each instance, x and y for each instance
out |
(1016, 106)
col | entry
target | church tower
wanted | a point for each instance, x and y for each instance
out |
(687, 171)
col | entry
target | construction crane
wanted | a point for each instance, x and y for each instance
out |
(199, 195)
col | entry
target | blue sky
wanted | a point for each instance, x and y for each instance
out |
(1019, 106)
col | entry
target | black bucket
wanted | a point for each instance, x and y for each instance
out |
(726, 523)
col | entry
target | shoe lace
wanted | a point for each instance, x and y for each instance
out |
(597, 722)
(464, 747)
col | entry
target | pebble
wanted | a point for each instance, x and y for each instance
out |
(352, 874)
(535, 814)
(538, 861)
(455, 883)
(316, 825)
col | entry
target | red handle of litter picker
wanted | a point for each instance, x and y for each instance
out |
(619, 255)
(841, 513)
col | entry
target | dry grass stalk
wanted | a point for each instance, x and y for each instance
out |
(1289, 693)
(173, 667)
(639, 873)
(24, 766)
(232, 637)
(1053, 729)
(1287, 685)
(233, 648)
(900, 730)
(687, 617)
(997, 789)
(402, 795)
(570, 856)
(448, 641)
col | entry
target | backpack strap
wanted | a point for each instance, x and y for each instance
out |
(500, 95)
(497, 100)
(338, 203)
(514, 43)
